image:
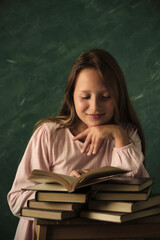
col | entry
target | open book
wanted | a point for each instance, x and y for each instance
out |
(72, 183)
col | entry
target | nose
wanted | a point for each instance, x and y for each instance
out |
(94, 103)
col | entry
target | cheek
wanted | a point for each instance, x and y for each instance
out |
(110, 107)
(80, 106)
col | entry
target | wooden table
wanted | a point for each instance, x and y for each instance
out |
(78, 228)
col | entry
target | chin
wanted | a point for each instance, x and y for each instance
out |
(95, 124)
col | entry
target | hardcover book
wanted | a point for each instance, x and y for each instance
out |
(124, 184)
(71, 183)
(124, 196)
(119, 217)
(124, 206)
(61, 197)
(61, 206)
(48, 214)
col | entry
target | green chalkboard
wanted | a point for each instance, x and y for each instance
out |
(39, 41)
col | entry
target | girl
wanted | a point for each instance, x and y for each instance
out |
(96, 127)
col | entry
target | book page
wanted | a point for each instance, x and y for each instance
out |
(41, 176)
(98, 175)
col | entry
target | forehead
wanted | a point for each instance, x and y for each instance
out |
(89, 79)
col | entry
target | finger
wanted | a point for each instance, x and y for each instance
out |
(91, 149)
(97, 146)
(75, 173)
(85, 170)
(81, 135)
(86, 143)
(82, 171)
(90, 152)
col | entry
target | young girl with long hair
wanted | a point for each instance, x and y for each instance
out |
(96, 126)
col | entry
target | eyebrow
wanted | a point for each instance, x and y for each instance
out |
(87, 91)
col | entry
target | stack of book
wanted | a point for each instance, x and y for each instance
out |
(122, 199)
(101, 194)
(59, 196)
(53, 202)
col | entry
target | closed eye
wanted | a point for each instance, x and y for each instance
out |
(106, 97)
(100, 97)
(86, 97)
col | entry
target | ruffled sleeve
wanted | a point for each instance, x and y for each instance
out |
(36, 156)
(130, 156)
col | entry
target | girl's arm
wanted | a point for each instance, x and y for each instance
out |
(130, 156)
(36, 156)
(94, 136)
(127, 152)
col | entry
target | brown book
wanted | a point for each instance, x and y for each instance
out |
(124, 184)
(72, 183)
(123, 196)
(61, 197)
(48, 214)
(48, 187)
(125, 206)
(119, 217)
(54, 205)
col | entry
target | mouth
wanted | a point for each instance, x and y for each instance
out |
(96, 116)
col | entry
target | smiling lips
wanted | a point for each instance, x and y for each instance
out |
(95, 116)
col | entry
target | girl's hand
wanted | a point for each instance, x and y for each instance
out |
(78, 173)
(94, 136)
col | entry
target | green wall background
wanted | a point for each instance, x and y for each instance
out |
(39, 41)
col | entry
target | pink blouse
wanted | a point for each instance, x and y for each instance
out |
(51, 148)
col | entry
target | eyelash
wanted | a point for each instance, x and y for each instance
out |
(85, 97)
(101, 97)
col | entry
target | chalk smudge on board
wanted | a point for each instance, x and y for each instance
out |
(11, 61)
(137, 97)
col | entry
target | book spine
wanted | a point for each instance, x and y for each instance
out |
(36, 195)
(28, 203)
(21, 212)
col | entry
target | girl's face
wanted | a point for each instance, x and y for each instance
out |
(92, 100)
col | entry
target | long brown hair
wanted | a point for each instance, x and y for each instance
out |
(113, 77)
